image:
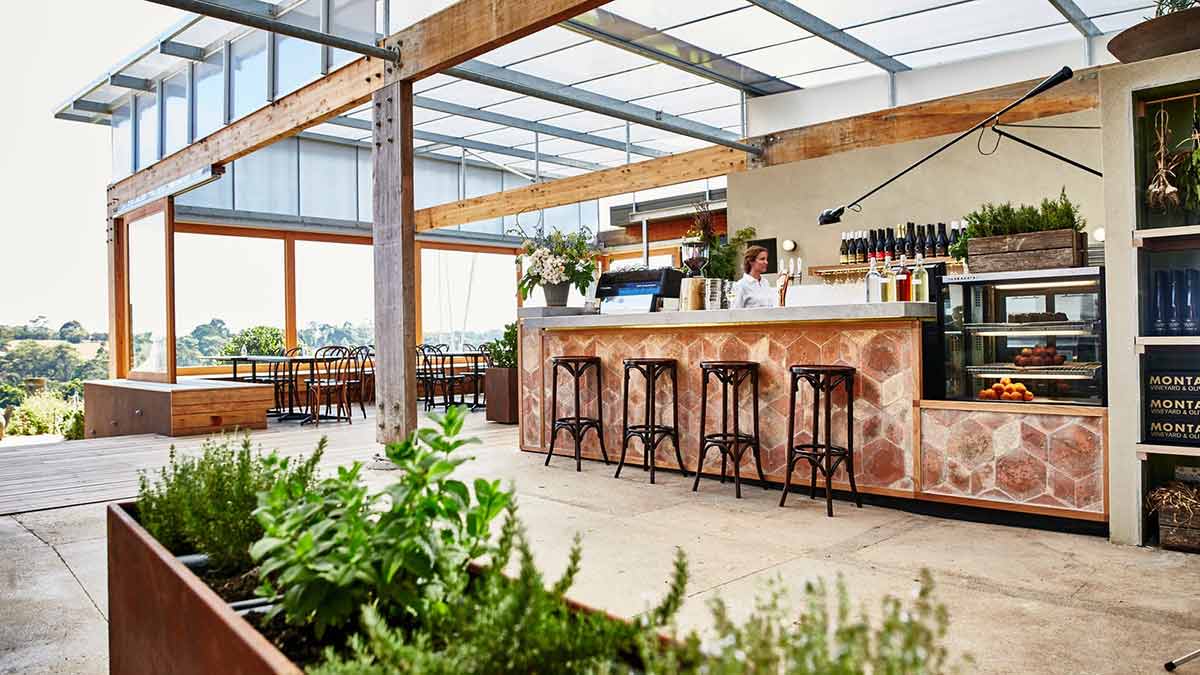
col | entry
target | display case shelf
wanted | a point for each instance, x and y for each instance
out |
(1145, 449)
(1068, 371)
(1034, 329)
(1166, 341)
(1150, 237)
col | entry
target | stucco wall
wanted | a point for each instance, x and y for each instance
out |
(783, 201)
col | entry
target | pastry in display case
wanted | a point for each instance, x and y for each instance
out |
(1025, 337)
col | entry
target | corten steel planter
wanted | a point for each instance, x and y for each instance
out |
(163, 619)
(500, 385)
(1163, 35)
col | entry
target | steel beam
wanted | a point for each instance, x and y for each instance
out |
(229, 10)
(127, 82)
(1078, 18)
(617, 31)
(180, 50)
(76, 117)
(92, 106)
(481, 146)
(536, 127)
(530, 85)
(830, 33)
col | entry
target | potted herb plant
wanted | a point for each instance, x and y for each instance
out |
(1174, 28)
(1188, 173)
(500, 379)
(556, 262)
(1000, 238)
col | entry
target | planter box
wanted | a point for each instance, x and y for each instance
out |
(1031, 251)
(1179, 531)
(500, 386)
(163, 619)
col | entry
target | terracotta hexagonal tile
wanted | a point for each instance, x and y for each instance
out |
(1006, 437)
(1033, 440)
(983, 478)
(1089, 492)
(1076, 450)
(1020, 474)
(933, 464)
(882, 463)
(958, 476)
(880, 357)
(1062, 486)
(970, 443)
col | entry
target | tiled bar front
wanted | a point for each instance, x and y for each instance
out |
(895, 440)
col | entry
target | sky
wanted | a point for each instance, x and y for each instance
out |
(53, 174)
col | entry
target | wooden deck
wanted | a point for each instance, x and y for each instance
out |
(71, 473)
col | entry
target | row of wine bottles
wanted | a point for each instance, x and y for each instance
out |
(899, 282)
(863, 246)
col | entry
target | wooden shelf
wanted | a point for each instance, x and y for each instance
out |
(1141, 237)
(1144, 449)
(952, 266)
(1166, 341)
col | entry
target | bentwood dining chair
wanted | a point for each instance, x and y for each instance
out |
(329, 383)
(362, 381)
(427, 374)
(283, 380)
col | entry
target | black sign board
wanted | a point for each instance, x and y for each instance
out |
(1172, 412)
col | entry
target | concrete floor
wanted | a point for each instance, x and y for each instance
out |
(1020, 601)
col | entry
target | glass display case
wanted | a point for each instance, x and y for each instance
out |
(1027, 337)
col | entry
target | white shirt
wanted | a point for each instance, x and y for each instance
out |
(749, 292)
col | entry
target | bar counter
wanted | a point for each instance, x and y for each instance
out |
(1046, 459)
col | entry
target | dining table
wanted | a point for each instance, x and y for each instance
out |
(450, 361)
(292, 365)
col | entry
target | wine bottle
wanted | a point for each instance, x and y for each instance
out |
(1162, 302)
(890, 250)
(842, 254)
(1178, 302)
(887, 290)
(930, 241)
(874, 282)
(910, 240)
(862, 248)
(920, 281)
(954, 227)
(903, 281)
(1191, 317)
(872, 245)
(942, 243)
(919, 248)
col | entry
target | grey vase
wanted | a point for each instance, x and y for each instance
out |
(557, 294)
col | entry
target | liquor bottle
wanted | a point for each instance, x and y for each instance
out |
(920, 281)
(1178, 303)
(942, 243)
(887, 291)
(1162, 302)
(874, 283)
(920, 245)
(903, 281)
(842, 255)
(910, 240)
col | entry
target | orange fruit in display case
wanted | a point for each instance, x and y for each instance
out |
(1028, 396)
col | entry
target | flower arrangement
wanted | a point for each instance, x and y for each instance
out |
(557, 258)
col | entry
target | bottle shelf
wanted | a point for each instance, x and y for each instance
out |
(1145, 449)
(850, 271)
(1166, 341)
(1152, 237)
(1035, 329)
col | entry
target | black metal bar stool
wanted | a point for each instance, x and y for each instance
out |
(731, 443)
(825, 457)
(650, 432)
(577, 426)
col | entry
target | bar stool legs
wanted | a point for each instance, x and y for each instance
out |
(577, 426)
(732, 444)
(650, 432)
(824, 457)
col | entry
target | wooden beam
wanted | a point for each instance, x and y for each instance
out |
(395, 266)
(458, 33)
(940, 117)
(118, 301)
(289, 292)
(681, 168)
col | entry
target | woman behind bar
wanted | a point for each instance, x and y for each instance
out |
(752, 290)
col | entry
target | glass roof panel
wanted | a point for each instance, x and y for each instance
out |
(340, 131)
(457, 126)
(473, 95)
(638, 133)
(995, 45)
(798, 57)
(529, 108)
(694, 98)
(817, 78)
(734, 33)
(508, 136)
(654, 79)
(729, 116)
(587, 61)
(981, 18)
(662, 15)
(844, 14)
(206, 32)
(1122, 20)
(592, 153)
(582, 120)
(542, 42)
(1094, 7)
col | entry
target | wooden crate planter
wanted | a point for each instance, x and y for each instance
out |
(500, 385)
(1031, 251)
(1179, 530)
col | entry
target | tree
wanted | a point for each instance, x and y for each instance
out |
(73, 332)
(210, 338)
(37, 328)
(256, 340)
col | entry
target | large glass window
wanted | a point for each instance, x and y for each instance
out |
(122, 141)
(328, 173)
(466, 297)
(147, 129)
(175, 113)
(265, 181)
(210, 94)
(366, 185)
(335, 294)
(224, 285)
(249, 73)
(298, 62)
(353, 19)
(147, 279)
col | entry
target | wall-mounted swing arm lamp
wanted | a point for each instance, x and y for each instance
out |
(834, 215)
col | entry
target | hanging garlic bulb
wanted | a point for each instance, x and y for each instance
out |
(1161, 194)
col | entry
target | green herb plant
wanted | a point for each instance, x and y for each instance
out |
(1164, 7)
(1188, 171)
(331, 549)
(503, 350)
(724, 257)
(992, 220)
(509, 625)
(206, 503)
(47, 413)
